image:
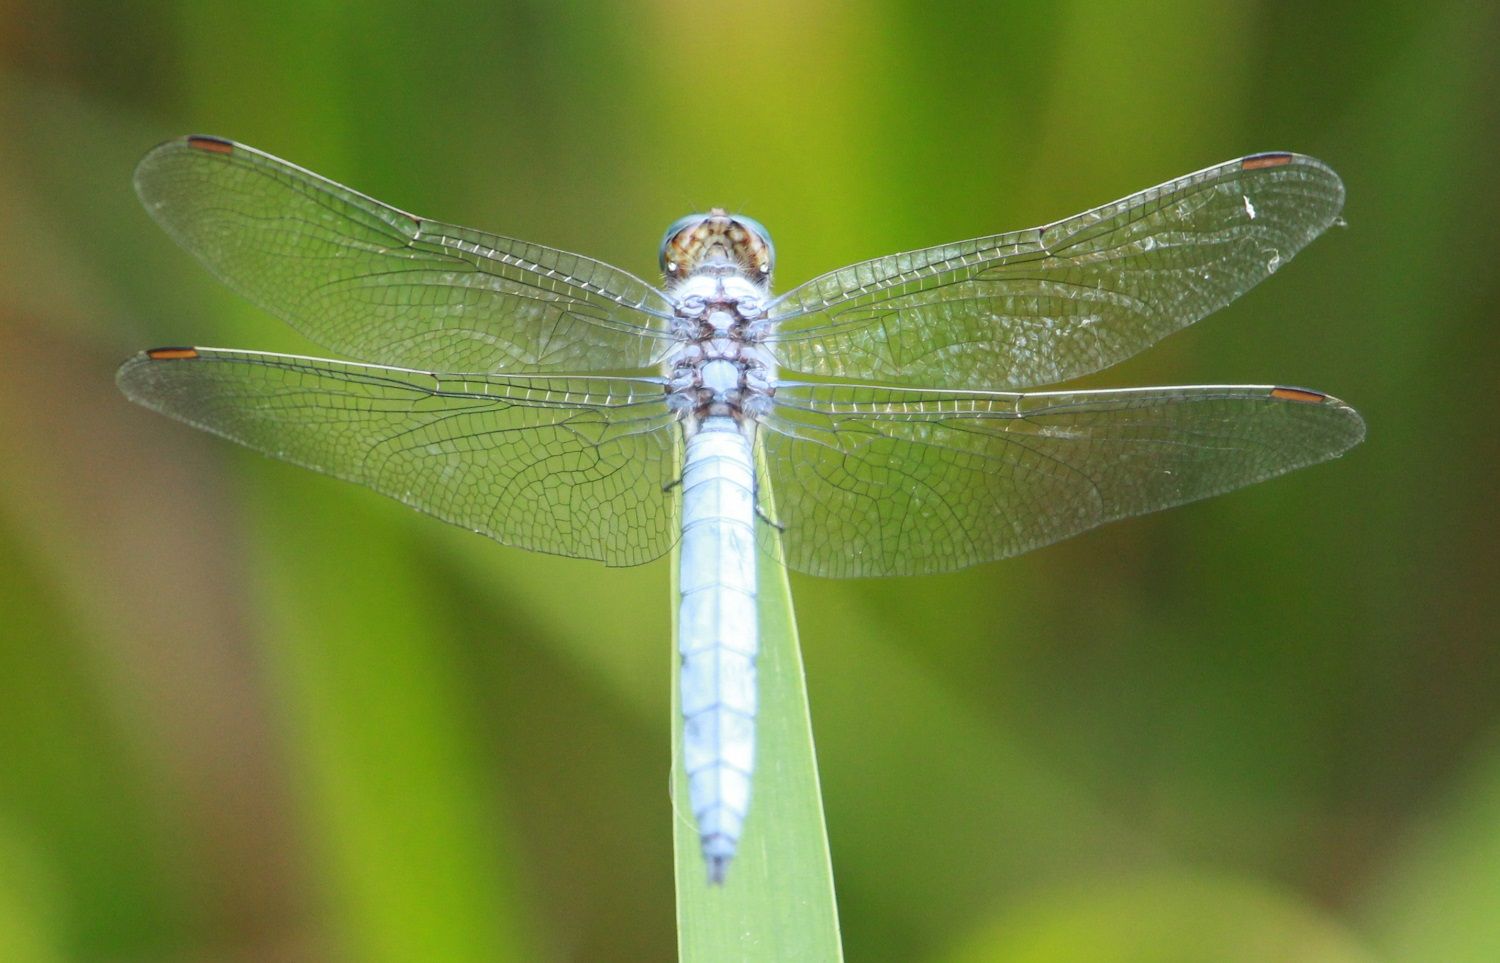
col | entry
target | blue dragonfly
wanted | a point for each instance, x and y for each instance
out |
(559, 404)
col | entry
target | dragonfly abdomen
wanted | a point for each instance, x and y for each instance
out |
(718, 633)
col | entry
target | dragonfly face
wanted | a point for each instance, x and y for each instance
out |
(886, 403)
(717, 242)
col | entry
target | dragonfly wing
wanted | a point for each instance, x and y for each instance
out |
(372, 282)
(877, 481)
(1051, 303)
(571, 466)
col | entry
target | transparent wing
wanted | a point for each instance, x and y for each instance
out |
(876, 481)
(369, 281)
(1051, 303)
(572, 466)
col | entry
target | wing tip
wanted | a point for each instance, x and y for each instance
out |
(1353, 420)
(137, 365)
(158, 160)
(1275, 159)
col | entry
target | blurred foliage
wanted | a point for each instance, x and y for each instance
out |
(248, 713)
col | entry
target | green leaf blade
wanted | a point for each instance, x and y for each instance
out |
(777, 901)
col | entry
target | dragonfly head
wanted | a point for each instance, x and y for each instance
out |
(720, 243)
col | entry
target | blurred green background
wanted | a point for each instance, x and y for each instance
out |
(250, 713)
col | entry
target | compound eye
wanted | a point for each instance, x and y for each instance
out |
(678, 226)
(759, 230)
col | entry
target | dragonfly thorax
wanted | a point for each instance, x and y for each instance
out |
(719, 367)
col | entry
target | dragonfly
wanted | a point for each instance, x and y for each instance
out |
(877, 420)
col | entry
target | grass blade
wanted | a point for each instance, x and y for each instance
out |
(777, 902)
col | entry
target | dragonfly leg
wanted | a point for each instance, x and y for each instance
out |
(761, 514)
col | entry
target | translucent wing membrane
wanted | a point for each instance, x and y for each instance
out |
(877, 481)
(571, 466)
(888, 480)
(1051, 303)
(375, 283)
